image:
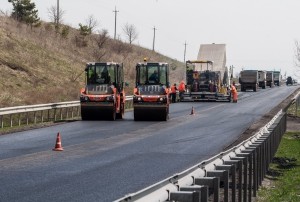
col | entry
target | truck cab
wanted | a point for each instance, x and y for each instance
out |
(270, 79)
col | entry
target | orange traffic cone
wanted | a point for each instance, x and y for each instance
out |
(58, 146)
(193, 111)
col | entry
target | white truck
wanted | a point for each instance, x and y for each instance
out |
(262, 79)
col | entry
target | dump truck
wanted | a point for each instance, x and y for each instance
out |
(270, 79)
(248, 79)
(103, 96)
(151, 96)
(289, 81)
(205, 84)
(277, 78)
(262, 79)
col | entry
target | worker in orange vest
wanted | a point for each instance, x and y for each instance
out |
(181, 88)
(173, 93)
(234, 93)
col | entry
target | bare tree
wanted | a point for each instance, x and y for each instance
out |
(100, 39)
(91, 23)
(56, 19)
(130, 32)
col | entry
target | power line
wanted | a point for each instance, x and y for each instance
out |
(115, 11)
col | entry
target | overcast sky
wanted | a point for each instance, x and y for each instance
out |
(259, 34)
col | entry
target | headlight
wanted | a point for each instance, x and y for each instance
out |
(110, 98)
(84, 98)
(139, 99)
(161, 99)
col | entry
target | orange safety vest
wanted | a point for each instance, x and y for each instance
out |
(234, 93)
(173, 89)
(181, 87)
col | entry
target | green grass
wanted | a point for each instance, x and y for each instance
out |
(284, 172)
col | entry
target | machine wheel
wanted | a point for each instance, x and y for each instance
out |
(84, 115)
(136, 115)
(255, 88)
(122, 111)
(113, 115)
(165, 116)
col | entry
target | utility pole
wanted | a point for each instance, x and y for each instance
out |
(115, 11)
(231, 71)
(153, 37)
(184, 51)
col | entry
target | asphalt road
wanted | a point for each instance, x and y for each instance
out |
(104, 160)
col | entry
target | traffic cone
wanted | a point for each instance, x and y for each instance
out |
(193, 111)
(58, 146)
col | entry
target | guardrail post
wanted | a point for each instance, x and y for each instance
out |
(1, 119)
(42, 116)
(235, 165)
(223, 175)
(203, 191)
(19, 119)
(72, 112)
(27, 119)
(67, 113)
(231, 170)
(252, 171)
(186, 196)
(34, 116)
(242, 163)
(246, 173)
(11, 122)
(78, 111)
(54, 114)
(211, 182)
(48, 115)
(60, 112)
(257, 165)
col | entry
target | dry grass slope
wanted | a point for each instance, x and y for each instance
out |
(40, 66)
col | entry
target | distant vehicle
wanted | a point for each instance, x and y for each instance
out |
(262, 79)
(270, 79)
(103, 96)
(205, 85)
(289, 81)
(277, 78)
(249, 80)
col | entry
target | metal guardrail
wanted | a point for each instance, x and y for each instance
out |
(9, 116)
(233, 175)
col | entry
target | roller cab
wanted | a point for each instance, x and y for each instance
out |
(151, 93)
(103, 96)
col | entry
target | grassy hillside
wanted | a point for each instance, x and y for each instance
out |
(40, 66)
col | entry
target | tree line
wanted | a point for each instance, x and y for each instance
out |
(25, 11)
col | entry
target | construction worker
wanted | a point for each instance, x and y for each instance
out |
(234, 93)
(173, 93)
(181, 89)
(154, 77)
